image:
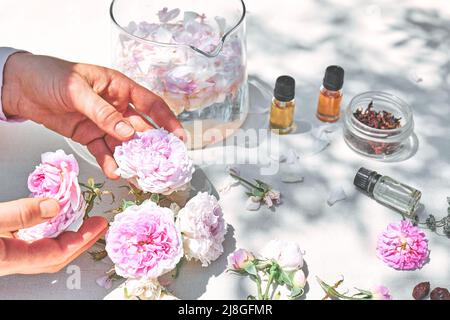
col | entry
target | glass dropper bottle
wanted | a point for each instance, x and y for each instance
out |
(283, 106)
(387, 191)
(330, 95)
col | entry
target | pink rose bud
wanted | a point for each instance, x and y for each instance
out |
(239, 259)
(299, 279)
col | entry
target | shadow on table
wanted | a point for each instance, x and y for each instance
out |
(193, 278)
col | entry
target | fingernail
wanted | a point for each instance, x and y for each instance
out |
(123, 129)
(49, 208)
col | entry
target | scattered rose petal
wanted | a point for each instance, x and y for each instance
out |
(104, 282)
(321, 132)
(292, 157)
(253, 203)
(336, 194)
(291, 173)
(228, 184)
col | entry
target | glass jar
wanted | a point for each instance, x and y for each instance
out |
(192, 54)
(378, 143)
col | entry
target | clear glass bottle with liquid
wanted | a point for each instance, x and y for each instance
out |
(283, 106)
(388, 191)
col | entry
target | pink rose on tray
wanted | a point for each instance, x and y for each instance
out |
(57, 178)
(144, 242)
(203, 226)
(403, 246)
(155, 161)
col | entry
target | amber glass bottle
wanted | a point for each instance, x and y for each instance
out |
(283, 106)
(330, 96)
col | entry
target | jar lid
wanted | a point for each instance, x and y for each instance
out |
(284, 89)
(334, 78)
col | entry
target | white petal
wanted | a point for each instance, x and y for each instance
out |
(253, 204)
(336, 194)
(292, 156)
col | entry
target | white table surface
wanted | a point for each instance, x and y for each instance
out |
(401, 47)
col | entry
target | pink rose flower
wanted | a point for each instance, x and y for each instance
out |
(381, 293)
(144, 242)
(403, 246)
(155, 161)
(57, 178)
(203, 227)
(287, 253)
(239, 259)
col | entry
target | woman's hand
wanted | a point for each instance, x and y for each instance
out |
(46, 255)
(87, 103)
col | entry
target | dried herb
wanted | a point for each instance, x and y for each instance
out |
(377, 119)
(440, 294)
(421, 290)
(437, 225)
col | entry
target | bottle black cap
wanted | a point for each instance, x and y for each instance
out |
(365, 180)
(285, 88)
(334, 78)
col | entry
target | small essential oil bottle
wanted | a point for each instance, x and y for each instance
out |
(329, 105)
(283, 106)
(388, 191)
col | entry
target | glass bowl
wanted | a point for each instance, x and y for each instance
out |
(192, 54)
(380, 144)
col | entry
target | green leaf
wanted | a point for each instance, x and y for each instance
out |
(126, 204)
(285, 279)
(258, 193)
(251, 269)
(154, 197)
(296, 293)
